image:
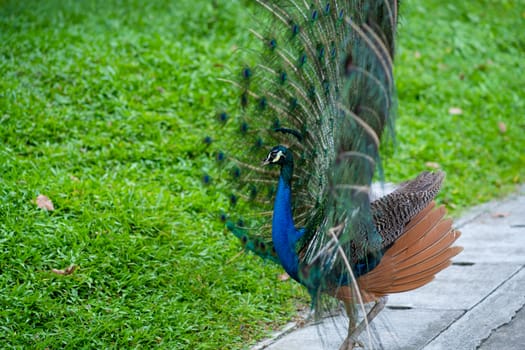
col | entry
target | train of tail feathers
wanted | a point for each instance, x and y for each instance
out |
(314, 110)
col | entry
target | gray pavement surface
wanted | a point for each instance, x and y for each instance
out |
(509, 336)
(477, 303)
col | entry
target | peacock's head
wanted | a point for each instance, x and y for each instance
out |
(279, 155)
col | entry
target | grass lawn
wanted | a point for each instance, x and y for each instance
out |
(103, 108)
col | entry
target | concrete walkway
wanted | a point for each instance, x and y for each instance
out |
(477, 303)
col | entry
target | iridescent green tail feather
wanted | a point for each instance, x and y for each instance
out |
(323, 87)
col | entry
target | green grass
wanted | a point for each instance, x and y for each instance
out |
(466, 55)
(103, 106)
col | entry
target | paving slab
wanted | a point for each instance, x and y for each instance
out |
(457, 287)
(395, 328)
(510, 336)
(476, 325)
(477, 303)
(392, 329)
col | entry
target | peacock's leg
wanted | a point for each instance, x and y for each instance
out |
(353, 331)
(374, 311)
(349, 342)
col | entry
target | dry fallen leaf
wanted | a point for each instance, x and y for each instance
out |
(283, 277)
(43, 202)
(500, 215)
(300, 321)
(482, 67)
(432, 165)
(65, 272)
(502, 127)
(455, 111)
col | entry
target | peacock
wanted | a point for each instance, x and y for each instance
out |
(315, 108)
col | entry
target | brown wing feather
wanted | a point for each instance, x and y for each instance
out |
(420, 216)
(395, 259)
(419, 229)
(424, 249)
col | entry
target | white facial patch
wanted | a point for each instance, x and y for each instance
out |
(277, 157)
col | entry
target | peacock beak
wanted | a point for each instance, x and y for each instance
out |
(265, 162)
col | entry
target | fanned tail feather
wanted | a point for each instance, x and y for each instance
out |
(253, 243)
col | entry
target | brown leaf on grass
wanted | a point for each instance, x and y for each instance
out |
(500, 215)
(433, 165)
(455, 111)
(67, 271)
(482, 67)
(502, 127)
(43, 202)
(283, 277)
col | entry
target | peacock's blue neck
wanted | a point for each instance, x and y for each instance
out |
(284, 234)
